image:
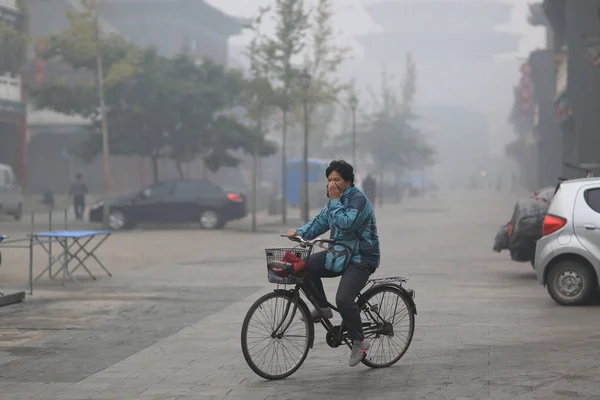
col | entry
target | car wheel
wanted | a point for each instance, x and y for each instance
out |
(571, 283)
(19, 213)
(117, 220)
(210, 219)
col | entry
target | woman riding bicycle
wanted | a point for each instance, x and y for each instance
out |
(350, 217)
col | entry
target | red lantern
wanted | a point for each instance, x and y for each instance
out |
(526, 89)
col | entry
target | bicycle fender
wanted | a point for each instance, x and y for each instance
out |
(409, 297)
(301, 304)
(403, 292)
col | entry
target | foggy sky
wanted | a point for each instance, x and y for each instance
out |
(491, 94)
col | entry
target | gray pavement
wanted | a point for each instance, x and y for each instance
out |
(169, 329)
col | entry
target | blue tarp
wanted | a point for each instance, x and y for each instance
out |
(316, 174)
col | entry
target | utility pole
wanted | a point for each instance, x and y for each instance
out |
(106, 186)
(255, 171)
(284, 164)
(305, 196)
(353, 107)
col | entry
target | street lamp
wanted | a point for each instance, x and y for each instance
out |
(305, 80)
(353, 107)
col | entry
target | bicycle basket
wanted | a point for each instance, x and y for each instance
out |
(287, 265)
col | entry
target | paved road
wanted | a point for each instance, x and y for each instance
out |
(170, 329)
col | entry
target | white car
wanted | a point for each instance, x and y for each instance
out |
(567, 256)
(11, 195)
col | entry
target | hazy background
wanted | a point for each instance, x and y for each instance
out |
(490, 91)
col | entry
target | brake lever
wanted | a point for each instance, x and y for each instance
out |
(296, 239)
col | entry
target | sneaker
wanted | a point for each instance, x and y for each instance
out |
(317, 314)
(359, 351)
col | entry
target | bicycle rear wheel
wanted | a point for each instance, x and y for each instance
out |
(275, 339)
(391, 325)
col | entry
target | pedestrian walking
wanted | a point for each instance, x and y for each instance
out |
(77, 192)
(369, 188)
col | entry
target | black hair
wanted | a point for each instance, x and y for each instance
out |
(345, 170)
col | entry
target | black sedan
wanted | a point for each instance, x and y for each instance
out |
(173, 202)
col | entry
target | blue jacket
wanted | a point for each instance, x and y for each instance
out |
(351, 220)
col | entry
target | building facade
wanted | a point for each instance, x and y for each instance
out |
(13, 130)
(576, 44)
(565, 128)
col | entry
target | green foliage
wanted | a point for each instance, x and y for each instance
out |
(156, 107)
(14, 40)
(291, 29)
(390, 138)
(325, 58)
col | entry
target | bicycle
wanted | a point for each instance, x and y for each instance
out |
(281, 326)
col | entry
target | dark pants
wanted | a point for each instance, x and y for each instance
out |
(354, 278)
(79, 205)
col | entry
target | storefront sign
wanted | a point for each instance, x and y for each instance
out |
(10, 88)
(526, 89)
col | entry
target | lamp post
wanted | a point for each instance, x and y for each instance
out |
(353, 107)
(106, 177)
(305, 79)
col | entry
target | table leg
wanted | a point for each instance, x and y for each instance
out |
(31, 265)
(50, 245)
(89, 254)
(58, 259)
(64, 266)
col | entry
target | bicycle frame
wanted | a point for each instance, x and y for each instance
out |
(372, 313)
(331, 329)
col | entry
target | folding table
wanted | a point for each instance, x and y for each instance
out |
(75, 244)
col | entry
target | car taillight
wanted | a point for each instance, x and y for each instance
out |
(235, 197)
(552, 223)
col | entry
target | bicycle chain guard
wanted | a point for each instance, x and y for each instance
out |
(333, 338)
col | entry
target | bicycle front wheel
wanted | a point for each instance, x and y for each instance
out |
(391, 326)
(276, 335)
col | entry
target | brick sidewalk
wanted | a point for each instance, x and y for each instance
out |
(485, 328)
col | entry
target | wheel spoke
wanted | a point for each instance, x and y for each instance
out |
(275, 342)
(391, 327)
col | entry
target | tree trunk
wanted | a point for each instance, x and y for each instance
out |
(179, 169)
(254, 189)
(154, 160)
(255, 178)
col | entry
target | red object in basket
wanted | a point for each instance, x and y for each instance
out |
(298, 264)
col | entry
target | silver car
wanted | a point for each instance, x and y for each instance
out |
(11, 196)
(567, 257)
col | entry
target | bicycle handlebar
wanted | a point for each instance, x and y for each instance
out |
(314, 242)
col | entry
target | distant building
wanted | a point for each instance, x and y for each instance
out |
(537, 149)
(438, 31)
(453, 43)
